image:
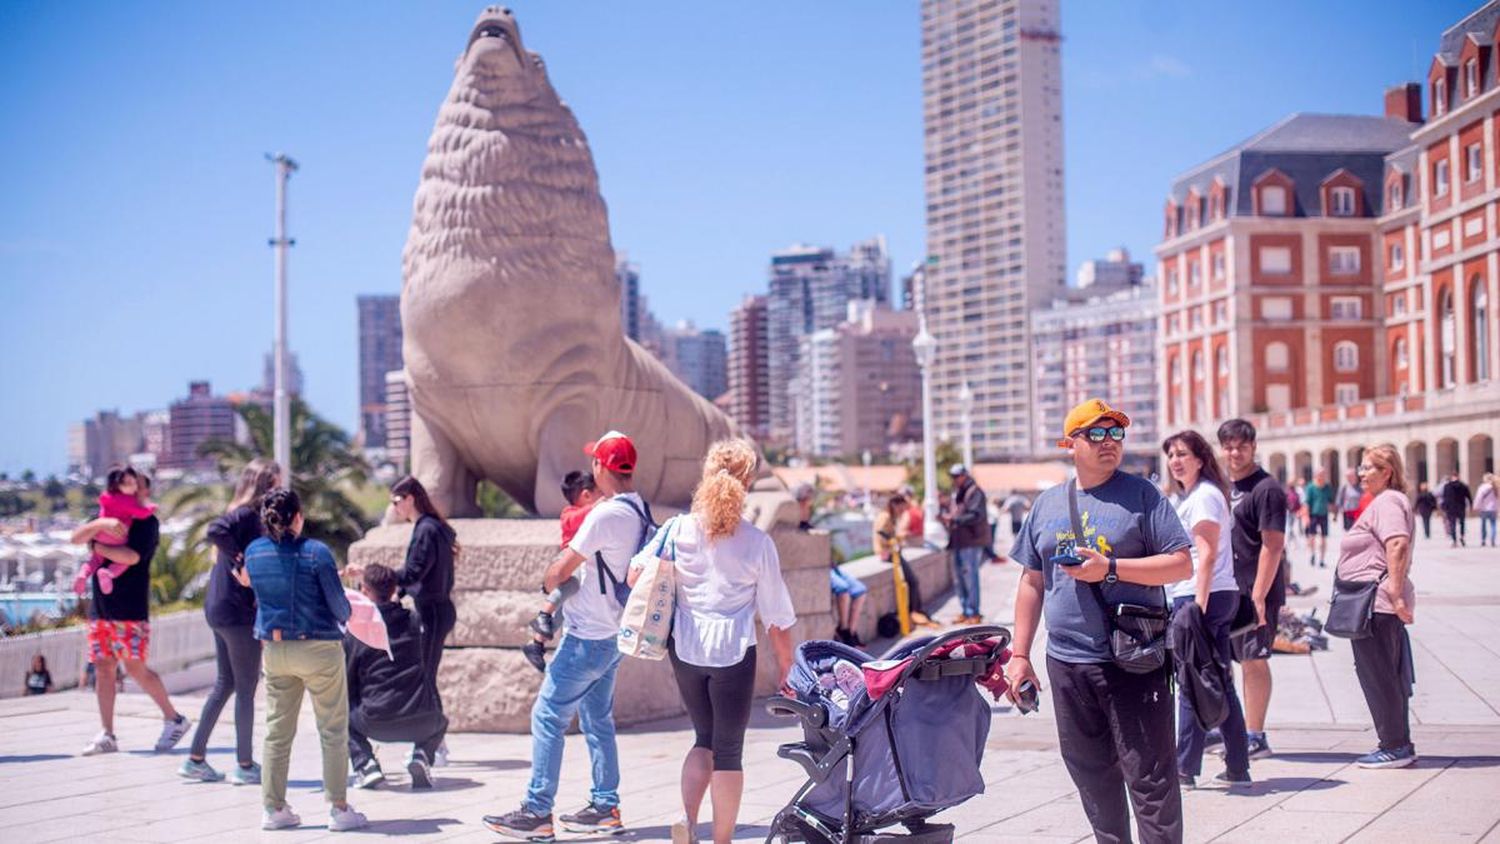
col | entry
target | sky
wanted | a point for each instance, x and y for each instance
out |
(137, 202)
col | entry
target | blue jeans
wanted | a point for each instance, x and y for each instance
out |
(1487, 528)
(1221, 609)
(966, 563)
(580, 679)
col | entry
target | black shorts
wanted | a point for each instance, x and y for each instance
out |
(1259, 645)
(1317, 525)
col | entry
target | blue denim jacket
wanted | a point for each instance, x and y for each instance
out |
(297, 589)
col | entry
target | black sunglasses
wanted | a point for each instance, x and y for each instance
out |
(1098, 434)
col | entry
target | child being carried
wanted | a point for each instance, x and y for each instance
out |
(118, 502)
(579, 491)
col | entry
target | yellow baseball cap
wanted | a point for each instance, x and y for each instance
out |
(1086, 414)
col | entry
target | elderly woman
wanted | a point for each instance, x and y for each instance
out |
(727, 571)
(1378, 548)
(299, 604)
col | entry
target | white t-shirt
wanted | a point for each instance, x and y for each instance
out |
(613, 529)
(721, 585)
(1205, 502)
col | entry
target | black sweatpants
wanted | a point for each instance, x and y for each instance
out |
(718, 701)
(913, 588)
(1382, 661)
(237, 656)
(425, 730)
(1114, 729)
(438, 618)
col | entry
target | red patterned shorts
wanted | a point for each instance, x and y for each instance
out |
(119, 639)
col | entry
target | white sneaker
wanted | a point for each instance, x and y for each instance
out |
(172, 732)
(343, 820)
(440, 757)
(283, 818)
(102, 743)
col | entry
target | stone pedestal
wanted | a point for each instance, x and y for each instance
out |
(486, 683)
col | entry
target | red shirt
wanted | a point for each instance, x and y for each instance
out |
(571, 520)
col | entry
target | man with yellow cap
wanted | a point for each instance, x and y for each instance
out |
(1114, 726)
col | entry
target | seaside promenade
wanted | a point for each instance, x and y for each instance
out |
(1309, 791)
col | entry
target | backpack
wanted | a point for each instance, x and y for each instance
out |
(607, 581)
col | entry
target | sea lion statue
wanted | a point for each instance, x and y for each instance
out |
(514, 350)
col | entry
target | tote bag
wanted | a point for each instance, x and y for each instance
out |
(646, 622)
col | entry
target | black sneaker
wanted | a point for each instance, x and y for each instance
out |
(523, 824)
(369, 775)
(543, 625)
(534, 651)
(1187, 782)
(417, 768)
(1258, 748)
(1233, 780)
(593, 818)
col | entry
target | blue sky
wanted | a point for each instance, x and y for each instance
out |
(137, 204)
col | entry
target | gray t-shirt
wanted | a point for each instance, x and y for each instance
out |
(1126, 516)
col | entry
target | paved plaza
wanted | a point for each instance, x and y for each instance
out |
(1309, 791)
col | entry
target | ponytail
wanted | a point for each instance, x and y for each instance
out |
(719, 500)
(278, 510)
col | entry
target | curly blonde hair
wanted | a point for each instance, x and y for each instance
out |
(719, 500)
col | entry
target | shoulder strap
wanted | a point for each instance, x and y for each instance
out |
(1077, 521)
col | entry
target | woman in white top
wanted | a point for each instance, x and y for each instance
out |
(1198, 487)
(727, 570)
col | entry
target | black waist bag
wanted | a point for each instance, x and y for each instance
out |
(1138, 634)
(1351, 608)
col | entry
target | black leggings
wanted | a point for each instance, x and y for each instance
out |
(718, 700)
(238, 656)
(438, 618)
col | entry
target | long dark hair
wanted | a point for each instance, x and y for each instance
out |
(258, 478)
(277, 512)
(1199, 448)
(409, 485)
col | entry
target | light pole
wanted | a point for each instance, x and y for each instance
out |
(868, 458)
(282, 408)
(966, 419)
(925, 348)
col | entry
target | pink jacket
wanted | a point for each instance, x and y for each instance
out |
(126, 508)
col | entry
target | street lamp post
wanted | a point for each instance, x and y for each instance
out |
(966, 417)
(925, 348)
(867, 458)
(282, 410)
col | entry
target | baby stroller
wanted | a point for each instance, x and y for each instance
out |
(904, 748)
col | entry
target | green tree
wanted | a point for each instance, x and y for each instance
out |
(947, 454)
(54, 489)
(326, 469)
(28, 477)
(90, 492)
(175, 570)
(494, 503)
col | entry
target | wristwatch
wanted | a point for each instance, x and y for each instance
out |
(1112, 577)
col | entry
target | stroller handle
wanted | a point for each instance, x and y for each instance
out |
(782, 707)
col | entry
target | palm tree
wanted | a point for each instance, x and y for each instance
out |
(325, 466)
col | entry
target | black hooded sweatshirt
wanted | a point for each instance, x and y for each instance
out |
(428, 572)
(386, 688)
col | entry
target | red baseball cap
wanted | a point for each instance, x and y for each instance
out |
(614, 451)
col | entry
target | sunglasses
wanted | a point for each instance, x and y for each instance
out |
(1098, 434)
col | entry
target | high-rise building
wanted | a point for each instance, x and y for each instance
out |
(629, 276)
(195, 420)
(1099, 276)
(992, 103)
(100, 442)
(379, 353)
(295, 383)
(1098, 346)
(397, 420)
(748, 376)
(698, 357)
(810, 290)
(857, 386)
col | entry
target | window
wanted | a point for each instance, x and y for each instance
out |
(1345, 357)
(1176, 371)
(1172, 280)
(1275, 260)
(1474, 226)
(1346, 307)
(1278, 358)
(1471, 78)
(1345, 393)
(1395, 196)
(1221, 313)
(1195, 277)
(1440, 178)
(1402, 359)
(1440, 96)
(1195, 320)
(1276, 309)
(1343, 260)
(1218, 260)
(1343, 201)
(1273, 200)
(1398, 304)
(1448, 342)
(1398, 256)
(1221, 356)
(1197, 365)
(1479, 329)
(1441, 238)
(1278, 398)
(1474, 163)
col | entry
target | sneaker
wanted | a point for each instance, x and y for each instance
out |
(533, 651)
(200, 771)
(523, 824)
(683, 832)
(369, 775)
(172, 732)
(1401, 758)
(416, 766)
(102, 743)
(440, 758)
(1259, 748)
(593, 818)
(345, 819)
(543, 625)
(106, 581)
(1229, 780)
(245, 776)
(283, 818)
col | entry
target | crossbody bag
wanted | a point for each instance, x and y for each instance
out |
(1137, 634)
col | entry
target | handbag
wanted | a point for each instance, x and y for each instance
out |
(1351, 608)
(1138, 634)
(646, 622)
